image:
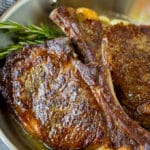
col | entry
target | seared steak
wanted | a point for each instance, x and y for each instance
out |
(123, 56)
(53, 102)
(50, 98)
(127, 52)
(99, 80)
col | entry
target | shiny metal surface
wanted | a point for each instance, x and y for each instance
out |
(136, 10)
(37, 11)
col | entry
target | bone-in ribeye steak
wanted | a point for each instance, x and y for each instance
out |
(102, 83)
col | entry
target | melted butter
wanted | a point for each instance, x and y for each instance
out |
(87, 13)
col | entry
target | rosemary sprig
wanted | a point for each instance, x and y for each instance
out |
(16, 47)
(23, 35)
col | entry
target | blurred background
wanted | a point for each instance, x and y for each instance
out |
(5, 4)
(135, 9)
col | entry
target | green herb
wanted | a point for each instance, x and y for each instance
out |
(23, 35)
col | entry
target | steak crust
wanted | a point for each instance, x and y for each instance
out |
(127, 52)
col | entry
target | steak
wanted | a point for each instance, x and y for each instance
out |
(127, 52)
(101, 86)
(49, 97)
(132, 85)
(66, 102)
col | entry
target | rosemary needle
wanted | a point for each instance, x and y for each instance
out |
(23, 35)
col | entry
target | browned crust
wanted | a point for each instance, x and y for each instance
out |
(127, 52)
(85, 33)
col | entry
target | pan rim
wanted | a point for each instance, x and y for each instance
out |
(4, 17)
